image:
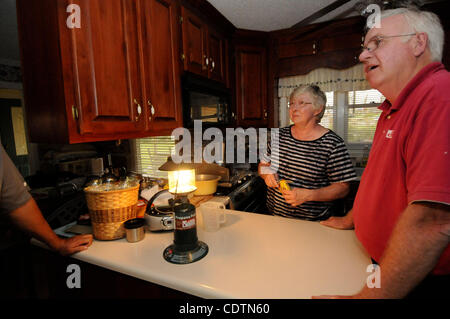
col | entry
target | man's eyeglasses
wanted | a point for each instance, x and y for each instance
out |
(376, 41)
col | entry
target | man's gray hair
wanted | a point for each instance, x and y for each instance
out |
(423, 21)
(320, 99)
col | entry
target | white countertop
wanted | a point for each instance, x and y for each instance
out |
(251, 256)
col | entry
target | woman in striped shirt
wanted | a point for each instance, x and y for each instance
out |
(313, 158)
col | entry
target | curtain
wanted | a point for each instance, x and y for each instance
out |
(351, 79)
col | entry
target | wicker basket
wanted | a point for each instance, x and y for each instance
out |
(110, 209)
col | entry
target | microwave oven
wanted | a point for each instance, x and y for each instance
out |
(205, 100)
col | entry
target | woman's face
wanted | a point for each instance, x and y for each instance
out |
(302, 110)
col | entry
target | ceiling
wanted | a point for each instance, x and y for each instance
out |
(271, 15)
(260, 15)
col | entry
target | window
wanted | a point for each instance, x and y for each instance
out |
(361, 124)
(362, 116)
(151, 153)
(328, 117)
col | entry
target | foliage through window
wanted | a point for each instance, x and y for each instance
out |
(362, 116)
(151, 153)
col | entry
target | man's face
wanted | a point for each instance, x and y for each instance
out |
(386, 68)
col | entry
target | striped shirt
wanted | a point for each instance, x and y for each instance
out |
(307, 164)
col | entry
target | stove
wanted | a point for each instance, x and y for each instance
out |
(245, 191)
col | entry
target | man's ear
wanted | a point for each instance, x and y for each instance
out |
(420, 44)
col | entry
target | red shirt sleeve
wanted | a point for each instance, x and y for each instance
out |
(428, 155)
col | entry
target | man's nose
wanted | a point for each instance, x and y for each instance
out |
(364, 55)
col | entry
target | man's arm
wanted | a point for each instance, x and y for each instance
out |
(29, 218)
(418, 240)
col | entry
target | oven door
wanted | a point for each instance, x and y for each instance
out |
(251, 197)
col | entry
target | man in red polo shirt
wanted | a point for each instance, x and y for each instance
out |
(401, 212)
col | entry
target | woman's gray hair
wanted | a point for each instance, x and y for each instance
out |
(423, 21)
(319, 98)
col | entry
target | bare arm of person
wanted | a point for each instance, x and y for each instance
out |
(418, 240)
(298, 196)
(29, 218)
(271, 179)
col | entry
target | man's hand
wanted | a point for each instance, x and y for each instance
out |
(29, 218)
(345, 222)
(69, 246)
(297, 196)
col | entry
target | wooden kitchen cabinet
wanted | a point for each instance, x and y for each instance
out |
(161, 49)
(251, 85)
(99, 80)
(203, 48)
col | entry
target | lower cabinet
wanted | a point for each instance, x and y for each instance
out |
(51, 276)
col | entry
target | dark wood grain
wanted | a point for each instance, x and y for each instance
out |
(251, 85)
(161, 53)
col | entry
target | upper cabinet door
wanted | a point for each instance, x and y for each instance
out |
(105, 55)
(251, 86)
(216, 49)
(194, 43)
(161, 74)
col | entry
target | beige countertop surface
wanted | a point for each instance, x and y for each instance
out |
(250, 256)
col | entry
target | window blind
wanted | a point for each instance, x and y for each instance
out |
(330, 99)
(151, 153)
(361, 124)
(328, 118)
(364, 97)
(362, 116)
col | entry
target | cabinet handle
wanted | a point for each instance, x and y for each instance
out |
(183, 57)
(265, 114)
(213, 65)
(74, 112)
(138, 109)
(152, 110)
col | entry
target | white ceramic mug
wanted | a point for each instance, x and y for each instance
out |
(213, 215)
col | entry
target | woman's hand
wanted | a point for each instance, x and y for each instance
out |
(297, 196)
(271, 180)
(268, 175)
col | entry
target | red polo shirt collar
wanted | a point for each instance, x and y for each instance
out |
(387, 107)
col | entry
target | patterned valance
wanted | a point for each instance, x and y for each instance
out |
(327, 79)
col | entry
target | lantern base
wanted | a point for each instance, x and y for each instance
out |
(172, 255)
